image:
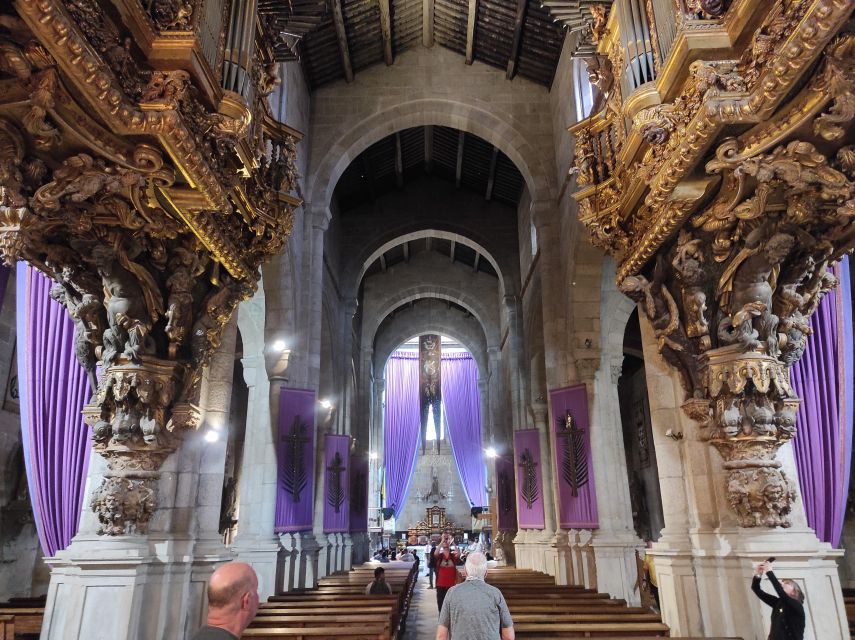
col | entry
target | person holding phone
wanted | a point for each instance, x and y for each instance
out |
(446, 569)
(788, 611)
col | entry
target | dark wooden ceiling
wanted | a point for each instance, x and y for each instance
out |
(467, 160)
(455, 251)
(517, 36)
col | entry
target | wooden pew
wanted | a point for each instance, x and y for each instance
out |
(7, 627)
(26, 620)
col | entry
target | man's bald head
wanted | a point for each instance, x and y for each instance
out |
(229, 584)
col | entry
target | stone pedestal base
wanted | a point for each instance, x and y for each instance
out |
(705, 583)
(299, 562)
(616, 571)
(263, 556)
(534, 550)
(360, 552)
(128, 588)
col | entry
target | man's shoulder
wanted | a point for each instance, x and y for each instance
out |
(213, 633)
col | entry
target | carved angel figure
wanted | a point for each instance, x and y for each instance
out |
(661, 310)
(689, 263)
(87, 314)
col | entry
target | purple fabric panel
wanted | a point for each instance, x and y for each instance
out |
(530, 517)
(53, 389)
(462, 403)
(580, 511)
(358, 494)
(401, 426)
(296, 406)
(506, 502)
(823, 379)
(336, 484)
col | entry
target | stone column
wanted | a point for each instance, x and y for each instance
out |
(255, 542)
(614, 543)
(483, 398)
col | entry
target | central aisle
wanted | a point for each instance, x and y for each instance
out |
(422, 617)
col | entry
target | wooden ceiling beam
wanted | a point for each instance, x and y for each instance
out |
(459, 172)
(519, 21)
(341, 36)
(399, 161)
(491, 176)
(386, 29)
(428, 148)
(470, 31)
(427, 22)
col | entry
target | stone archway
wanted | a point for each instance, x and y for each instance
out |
(478, 118)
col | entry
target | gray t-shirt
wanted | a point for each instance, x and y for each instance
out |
(213, 633)
(475, 610)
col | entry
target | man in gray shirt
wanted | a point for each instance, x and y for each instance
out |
(475, 610)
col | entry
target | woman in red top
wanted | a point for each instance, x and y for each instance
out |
(446, 568)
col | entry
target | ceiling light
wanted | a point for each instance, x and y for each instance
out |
(492, 453)
(279, 346)
(211, 435)
(326, 404)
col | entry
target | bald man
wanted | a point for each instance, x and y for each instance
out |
(232, 602)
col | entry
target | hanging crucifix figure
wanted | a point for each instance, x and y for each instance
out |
(430, 355)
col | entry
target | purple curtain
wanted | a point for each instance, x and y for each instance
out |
(53, 388)
(823, 379)
(358, 494)
(573, 464)
(401, 426)
(462, 403)
(336, 483)
(295, 454)
(529, 479)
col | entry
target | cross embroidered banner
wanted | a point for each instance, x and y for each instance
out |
(506, 502)
(336, 484)
(529, 479)
(577, 498)
(295, 447)
(359, 493)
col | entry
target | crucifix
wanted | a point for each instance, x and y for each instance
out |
(294, 469)
(574, 462)
(335, 493)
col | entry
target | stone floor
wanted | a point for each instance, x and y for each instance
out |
(421, 620)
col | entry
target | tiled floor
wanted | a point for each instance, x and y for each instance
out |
(421, 621)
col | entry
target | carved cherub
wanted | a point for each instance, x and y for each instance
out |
(747, 285)
(167, 86)
(731, 418)
(759, 416)
(689, 263)
(598, 22)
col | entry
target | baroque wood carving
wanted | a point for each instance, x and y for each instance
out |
(726, 211)
(132, 194)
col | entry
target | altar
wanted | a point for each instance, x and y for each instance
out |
(432, 527)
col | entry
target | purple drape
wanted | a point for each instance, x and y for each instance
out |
(358, 494)
(823, 379)
(401, 426)
(529, 494)
(573, 462)
(506, 502)
(462, 403)
(295, 455)
(53, 388)
(336, 483)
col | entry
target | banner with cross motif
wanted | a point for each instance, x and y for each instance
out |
(295, 459)
(359, 493)
(577, 497)
(529, 479)
(336, 484)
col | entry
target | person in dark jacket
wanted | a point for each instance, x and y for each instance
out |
(788, 611)
(378, 586)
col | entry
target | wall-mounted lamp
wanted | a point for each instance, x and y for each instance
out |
(211, 435)
(279, 346)
(670, 433)
(491, 452)
(326, 404)
(372, 455)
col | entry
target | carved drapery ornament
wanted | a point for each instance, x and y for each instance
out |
(119, 184)
(726, 214)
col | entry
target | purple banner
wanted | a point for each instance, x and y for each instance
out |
(574, 468)
(506, 503)
(529, 479)
(336, 484)
(295, 454)
(359, 494)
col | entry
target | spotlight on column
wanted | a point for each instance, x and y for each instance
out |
(326, 404)
(491, 452)
(279, 346)
(211, 435)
